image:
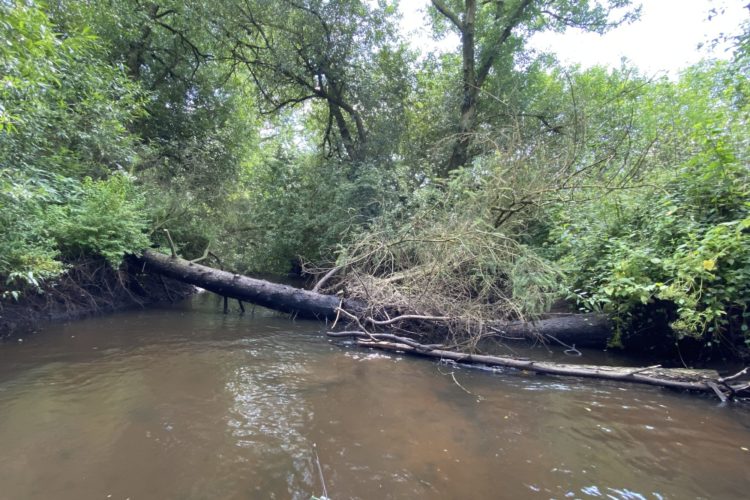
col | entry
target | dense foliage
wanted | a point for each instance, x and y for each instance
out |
(678, 234)
(306, 131)
(64, 117)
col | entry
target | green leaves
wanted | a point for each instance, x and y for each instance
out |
(64, 115)
(678, 232)
(104, 219)
(60, 101)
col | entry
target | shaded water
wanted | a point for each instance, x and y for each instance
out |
(186, 403)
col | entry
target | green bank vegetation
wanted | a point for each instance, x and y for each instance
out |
(492, 177)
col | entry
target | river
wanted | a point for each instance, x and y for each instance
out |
(184, 402)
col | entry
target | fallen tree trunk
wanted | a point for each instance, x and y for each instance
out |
(284, 298)
(579, 330)
(674, 378)
(310, 304)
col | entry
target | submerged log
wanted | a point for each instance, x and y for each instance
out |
(675, 378)
(284, 298)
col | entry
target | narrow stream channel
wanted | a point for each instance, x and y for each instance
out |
(187, 403)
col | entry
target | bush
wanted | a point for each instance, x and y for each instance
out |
(27, 252)
(686, 242)
(451, 253)
(104, 219)
(64, 114)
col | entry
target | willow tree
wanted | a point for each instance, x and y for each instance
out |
(492, 32)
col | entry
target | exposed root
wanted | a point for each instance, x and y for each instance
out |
(88, 287)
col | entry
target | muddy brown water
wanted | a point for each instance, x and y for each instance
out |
(186, 403)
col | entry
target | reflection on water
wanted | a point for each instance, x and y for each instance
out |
(186, 403)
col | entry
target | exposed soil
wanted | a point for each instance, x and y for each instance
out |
(88, 287)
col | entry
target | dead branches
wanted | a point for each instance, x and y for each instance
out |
(674, 378)
(453, 276)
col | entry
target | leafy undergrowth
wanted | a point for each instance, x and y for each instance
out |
(678, 242)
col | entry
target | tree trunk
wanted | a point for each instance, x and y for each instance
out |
(316, 305)
(475, 72)
(578, 330)
(470, 91)
(282, 298)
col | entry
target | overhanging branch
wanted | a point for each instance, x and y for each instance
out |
(444, 10)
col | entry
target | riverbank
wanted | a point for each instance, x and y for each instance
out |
(88, 287)
(93, 287)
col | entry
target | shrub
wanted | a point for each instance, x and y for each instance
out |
(686, 242)
(104, 219)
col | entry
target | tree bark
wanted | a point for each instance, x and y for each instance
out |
(473, 77)
(579, 330)
(470, 90)
(316, 305)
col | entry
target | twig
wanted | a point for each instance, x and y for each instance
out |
(467, 391)
(570, 351)
(202, 257)
(405, 317)
(338, 313)
(166, 289)
(217, 259)
(320, 470)
(740, 373)
(645, 369)
(171, 243)
(716, 390)
(502, 335)
(356, 319)
(326, 277)
(384, 336)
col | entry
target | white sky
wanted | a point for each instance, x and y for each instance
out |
(664, 40)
